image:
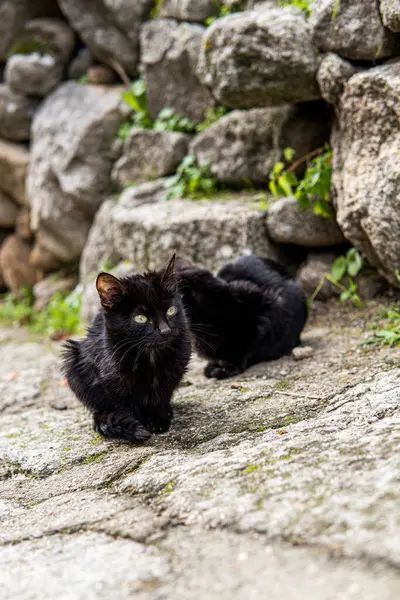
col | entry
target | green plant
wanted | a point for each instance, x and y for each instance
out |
(83, 79)
(168, 120)
(346, 268)
(191, 180)
(311, 191)
(386, 328)
(28, 45)
(212, 116)
(304, 5)
(136, 98)
(60, 317)
(224, 11)
(335, 10)
(155, 12)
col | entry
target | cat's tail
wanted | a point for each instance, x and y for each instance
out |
(120, 425)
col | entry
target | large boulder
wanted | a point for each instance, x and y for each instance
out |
(14, 163)
(40, 56)
(353, 29)
(8, 211)
(144, 228)
(260, 58)
(71, 161)
(366, 169)
(245, 144)
(332, 76)
(99, 249)
(188, 10)
(16, 270)
(288, 224)
(390, 12)
(15, 13)
(170, 53)
(148, 155)
(16, 114)
(110, 29)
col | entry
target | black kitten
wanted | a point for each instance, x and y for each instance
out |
(127, 367)
(252, 311)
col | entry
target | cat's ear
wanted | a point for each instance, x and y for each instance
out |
(110, 289)
(170, 270)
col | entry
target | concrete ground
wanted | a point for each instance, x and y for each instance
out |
(281, 483)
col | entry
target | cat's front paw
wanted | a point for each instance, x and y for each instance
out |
(220, 369)
(159, 426)
(116, 427)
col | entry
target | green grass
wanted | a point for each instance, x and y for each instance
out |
(60, 317)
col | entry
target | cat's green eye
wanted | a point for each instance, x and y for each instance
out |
(171, 311)
(141, 319)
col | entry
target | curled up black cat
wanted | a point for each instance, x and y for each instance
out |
(127, 367)
(251, 312)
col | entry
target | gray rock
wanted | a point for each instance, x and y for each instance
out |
(50, 36)
(38, 72)
(288, 224)
(99, 249)
(188, 10)
(311, 275)
(208, 233)
(366, 173)
(80, 64)
(149, 155)
(390, 12)
(356, 32)
(14, 163)
(260, 58)
(110, 29)
(33, 74)
(143, 228)
(69, 175)
(15, 13)
(245, 145)
(302, 352)
(8, 211)
(332, 76)
(169, 57)
(14, 264)
(16, 114)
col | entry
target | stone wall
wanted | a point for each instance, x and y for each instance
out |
(279, 79)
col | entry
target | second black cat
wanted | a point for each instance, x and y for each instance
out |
(252, 311)
(127, 367)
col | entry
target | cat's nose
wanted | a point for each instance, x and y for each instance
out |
(164, 329)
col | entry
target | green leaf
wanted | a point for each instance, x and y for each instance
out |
(303, 200)
(284, 184)
(130, 99)
(278, 168)
(339, 268)
(273, 188)
(289, 153)
(354, 262)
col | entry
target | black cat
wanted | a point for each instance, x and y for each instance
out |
(252, 311)
(127, 367)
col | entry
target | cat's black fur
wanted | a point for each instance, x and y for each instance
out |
(252, 311)
(123, 371)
